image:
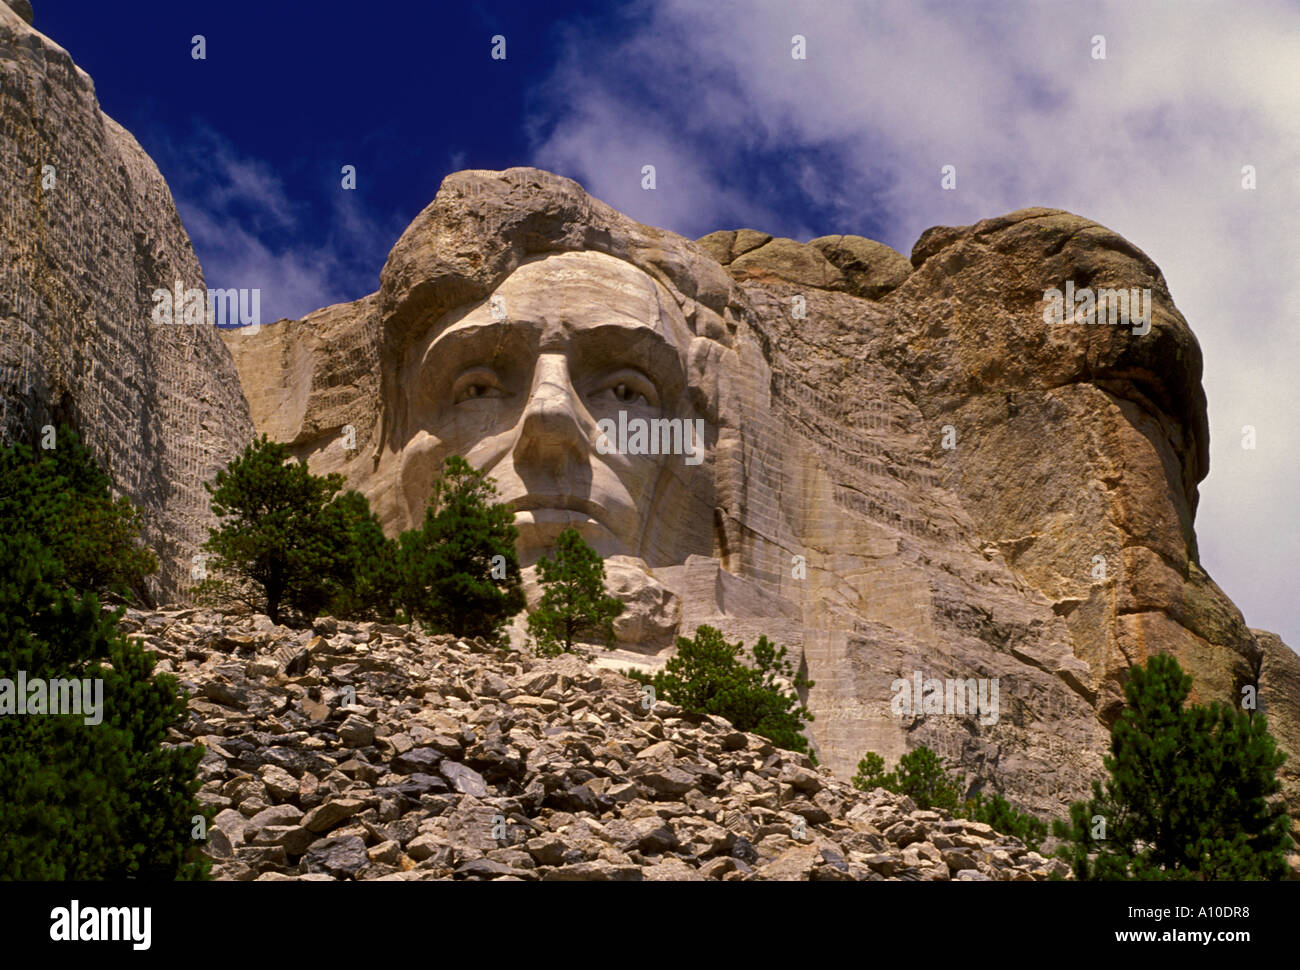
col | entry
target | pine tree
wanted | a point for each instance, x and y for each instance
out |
(1189, 791)
(709, 676)
(921, 776)
(78, 800)
(276, 545)
(62, 498)
(1002, 816)
(364, 574)
(871, 774)
(459, 572)
(574, 602)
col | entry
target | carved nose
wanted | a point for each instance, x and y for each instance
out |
(552, 432)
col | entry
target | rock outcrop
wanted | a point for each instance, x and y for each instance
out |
(23, 9)
(89, 231)
(907, 471)
(363, 751)
(896, 467)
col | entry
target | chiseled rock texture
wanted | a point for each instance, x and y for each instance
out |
(364, 751)
(80, 259)
(1049, 546)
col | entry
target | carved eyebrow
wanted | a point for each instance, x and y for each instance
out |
(463, 345)
(612, 345)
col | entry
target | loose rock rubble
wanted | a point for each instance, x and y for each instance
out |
(367, 751)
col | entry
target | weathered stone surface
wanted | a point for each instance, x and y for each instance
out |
(974, 561)
(1279, 685)
(227, 833)
(339, 856)
(276, 815)
(597, 871)
(463, 779)
(356, 732)
(324, 817)
(295, 839)
(794, 864)
(671, 870)
(593, 794)
(870, 269)
(484, 869)
(648, 834)
(22, 8)
(387, 853)
(785, 259)
(664, 782)
(158, 404)
(279, 783)
(651, 611)
(803, 779)
(424, 760)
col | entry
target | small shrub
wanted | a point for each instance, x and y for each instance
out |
(1190, 792)
(459, 573)
(871, 774)
(1003, 817)
(574, 602)
(921, 776)
(708, 676)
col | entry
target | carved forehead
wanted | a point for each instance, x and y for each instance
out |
(590, 289)
(578, 272)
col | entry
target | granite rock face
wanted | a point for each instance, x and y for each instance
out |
(88, 232)
(23, 9)
(908, 474)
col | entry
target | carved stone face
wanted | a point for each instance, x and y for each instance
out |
(518, 384)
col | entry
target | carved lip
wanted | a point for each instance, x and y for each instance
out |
(561, 503)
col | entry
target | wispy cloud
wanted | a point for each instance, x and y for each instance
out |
(250, 232)
(1149, 141)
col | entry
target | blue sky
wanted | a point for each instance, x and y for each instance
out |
(252, 139)
(1149, 141)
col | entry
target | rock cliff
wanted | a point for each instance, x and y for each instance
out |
(907, 470)
(902, 470)
(88, 232)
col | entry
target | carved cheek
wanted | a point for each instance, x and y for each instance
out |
(421, 463)
(637, 473)
(464, 428)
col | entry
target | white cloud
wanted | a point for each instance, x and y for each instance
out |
(1149, 142)
(232, 205)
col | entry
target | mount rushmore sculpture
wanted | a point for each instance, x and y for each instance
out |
(902, 469)
(916, 473)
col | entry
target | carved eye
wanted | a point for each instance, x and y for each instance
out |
(475, 385)
(629, 387)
